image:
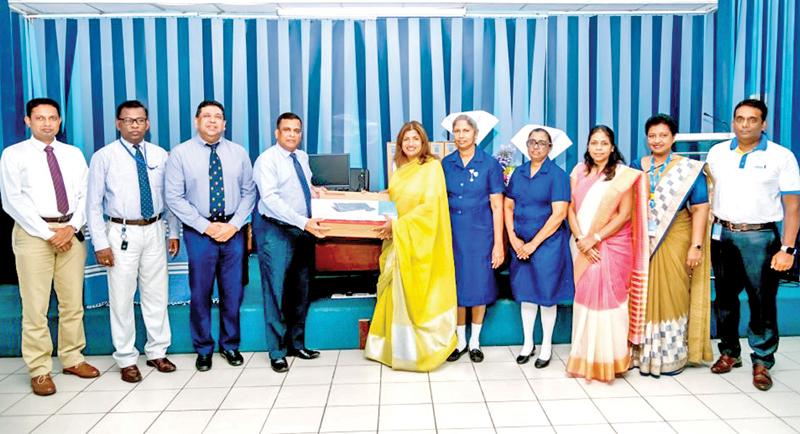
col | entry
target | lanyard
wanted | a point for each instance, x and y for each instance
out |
(144, 154)
(655, 177)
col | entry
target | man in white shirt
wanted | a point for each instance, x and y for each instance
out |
(756, 185)
(283, 230)
(43, 186)
(126, 184)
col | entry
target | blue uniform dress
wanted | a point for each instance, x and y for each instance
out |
(546, 277)
(468, 190)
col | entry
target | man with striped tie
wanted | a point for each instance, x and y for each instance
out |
(126, 184)
(283, 230)
(43, 186)
(209, 187)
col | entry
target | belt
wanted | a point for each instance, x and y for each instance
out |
(746, 227)
(62, 219)
(222, 219)
(139, 222)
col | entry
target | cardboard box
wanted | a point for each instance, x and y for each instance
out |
(439, 149)
(352, 214)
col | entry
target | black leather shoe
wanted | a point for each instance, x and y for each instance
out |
(279, 365)
(456, 354)
(203, 363)
(521, 360)
(304, 353)
(233, 357)
(539, 363)
(476, 355)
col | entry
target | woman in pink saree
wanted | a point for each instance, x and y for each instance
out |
(607, 217)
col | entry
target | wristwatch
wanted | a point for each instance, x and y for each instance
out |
(698, 246)
(789, 250)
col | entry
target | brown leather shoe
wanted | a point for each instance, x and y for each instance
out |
(725, 364)
(761, 377)
(162, 365)
(131, 374)
(43, 385)
(83, 370)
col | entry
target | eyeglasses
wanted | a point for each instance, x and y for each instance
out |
(741, 120)
(207, 116)
(540, 144)
(133, 121)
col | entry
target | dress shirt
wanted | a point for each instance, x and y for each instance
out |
(114, 187)
(27, 186)
(279, 187)
(187, 186)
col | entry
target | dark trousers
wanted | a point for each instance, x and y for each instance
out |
(285, 255)
(742, 260)
(209, 260)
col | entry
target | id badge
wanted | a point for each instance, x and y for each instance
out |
(124, 245)
(716, 232)
(652, 226)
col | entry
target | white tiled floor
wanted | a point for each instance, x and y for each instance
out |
(343, 392)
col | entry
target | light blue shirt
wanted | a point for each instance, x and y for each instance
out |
(187, 186)
(279, 189)
(114, 187)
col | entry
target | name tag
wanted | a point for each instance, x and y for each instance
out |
(716, 232)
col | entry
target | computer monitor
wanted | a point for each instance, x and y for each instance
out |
(330, 170)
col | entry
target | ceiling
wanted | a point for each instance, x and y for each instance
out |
(354, 8)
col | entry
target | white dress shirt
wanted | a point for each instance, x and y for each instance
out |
(280, 193)
(27, 187)
(114, 187)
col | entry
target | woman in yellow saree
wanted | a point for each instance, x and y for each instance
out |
(678, 313)
(606, 217)
(414, 324)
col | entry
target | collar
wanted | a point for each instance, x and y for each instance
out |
(202, 143)
(39, 145)
(762, 143)
(477, 157)
(129, 145)
(545, 169)
(283, 151)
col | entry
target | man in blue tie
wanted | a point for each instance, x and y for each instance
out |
(126, 184)
(209, 187)
(284, 233)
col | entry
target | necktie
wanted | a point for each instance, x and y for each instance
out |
(216, 199)
(303, 183)
(145, 195)
(58, 181)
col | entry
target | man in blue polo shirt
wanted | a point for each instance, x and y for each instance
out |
(756, 185)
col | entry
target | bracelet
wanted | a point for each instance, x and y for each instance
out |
(597, 237)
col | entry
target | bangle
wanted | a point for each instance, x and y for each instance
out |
(597, 237)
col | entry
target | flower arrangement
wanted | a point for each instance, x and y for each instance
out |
(505, 156)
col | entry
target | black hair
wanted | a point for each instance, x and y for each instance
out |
(131, 104)
(287, 116)
(613, 159)
(209, 102)
(36, 102)
(754, 103)
(662, 119)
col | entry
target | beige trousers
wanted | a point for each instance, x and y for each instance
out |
(39, 266)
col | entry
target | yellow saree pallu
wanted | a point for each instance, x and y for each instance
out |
(413, 327)
(610, 296)
(678, 312)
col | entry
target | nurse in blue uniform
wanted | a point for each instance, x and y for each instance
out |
(475, 195)
(537, 197)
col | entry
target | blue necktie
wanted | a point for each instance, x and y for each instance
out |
(216, 199)
(145, 195)
(303, 183)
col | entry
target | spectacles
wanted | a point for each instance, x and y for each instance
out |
(541, 144)
(207, 116)
(739, 120)
(133, 121)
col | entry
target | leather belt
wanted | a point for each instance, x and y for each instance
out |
(62, 219)
(746, 227)
(139, 222)
(221, 219)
